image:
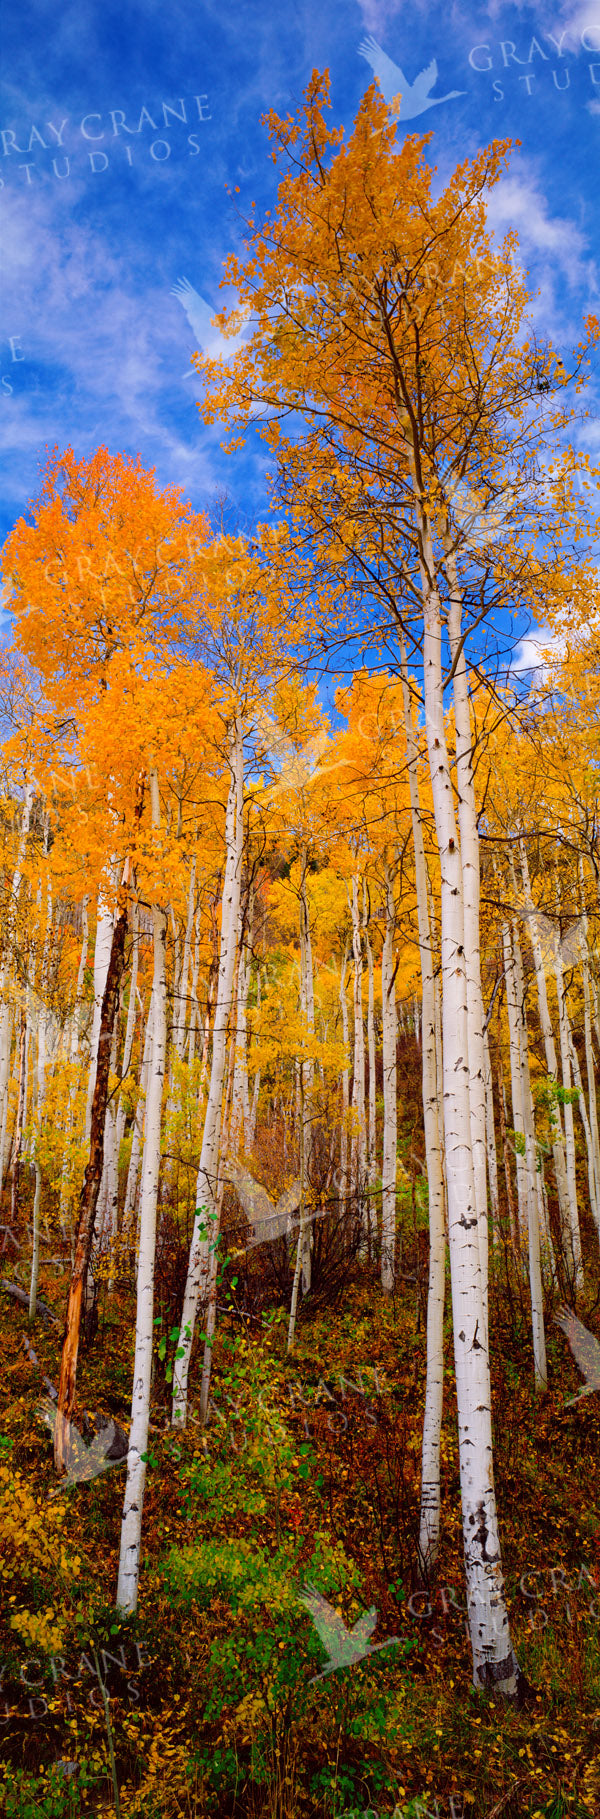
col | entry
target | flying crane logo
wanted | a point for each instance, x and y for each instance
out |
(267, 1221)
(201, 320)
(107, 1447)
(294, 767)
(344, 1647)
(586, 1352)
(407, 100)
(560, 942)
(480, 520)
(209, 339)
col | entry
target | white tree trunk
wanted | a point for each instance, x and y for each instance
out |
(240, 1093)
(181, 997)
(256, 1082)
(429, 1526)
(240, 1098)
(358, 1147)
(595, 1209)
(75, 1036)
(469, 848)
(558, 1148)
(211, 989)
(490, 1132)
(390, 1115)
(574, 1236)
(7, 939)
(591, 1081)
(194, 1012)
(138, 1126)
(131, 1527)
(494, 1661)
(35, 1248)
(102, 952)
(204, 1237)
(302, 1229)
(533, 1226)
(42, 1057)
(73, 1052)
(371, 1124)
(6, 1032)
(436, 994)
(43, 1013)
(345, 1079)
(171, 1050)
(306, 1069)
(548, 1258)
(129, 1030)
(512, 1006)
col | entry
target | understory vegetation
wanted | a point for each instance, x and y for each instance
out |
(307, 1471)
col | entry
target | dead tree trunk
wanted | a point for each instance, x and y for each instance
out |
(93, 1175)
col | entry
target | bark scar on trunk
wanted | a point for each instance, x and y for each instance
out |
(482, 1536)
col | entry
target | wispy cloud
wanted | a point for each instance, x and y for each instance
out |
(553, 249)
(518, 202)
(98, 339)
(545, 17)
(534, 654)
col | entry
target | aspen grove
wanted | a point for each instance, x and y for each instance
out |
(300, 963)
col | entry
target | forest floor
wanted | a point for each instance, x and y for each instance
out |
(307, 1475)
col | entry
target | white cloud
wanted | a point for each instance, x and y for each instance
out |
(534, 655)
(584, 19)
(377, 15)
(553, 251)
(102, 349)
(516, 202)
(574, 20)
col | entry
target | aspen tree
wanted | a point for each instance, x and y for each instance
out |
(105, 924)
(302, 1231)
(131, 1526)
(74, 1044)
(492, 1159)
(202, 1258)
(257, 1071)
(345, 1077)
(589, 1058)
(307, 1006)
(469, 847)
(575, 1256)
(179, 1033)
(390, 1117)
(240, 1096)
(8, 935)
(41, 1073)
(371, 1126)
(432, 1087)
(558, 1151)
(21, 1112)
(494, 1658)
(531, 1173)
(512, 1005)
(342, 207)
(129, 1027)
(194, 1011)
(138, 1127)
(93, 1175)
(358, 1148)
(587, 1134)
(512, 1217)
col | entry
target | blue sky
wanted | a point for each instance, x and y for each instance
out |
(124, 123)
